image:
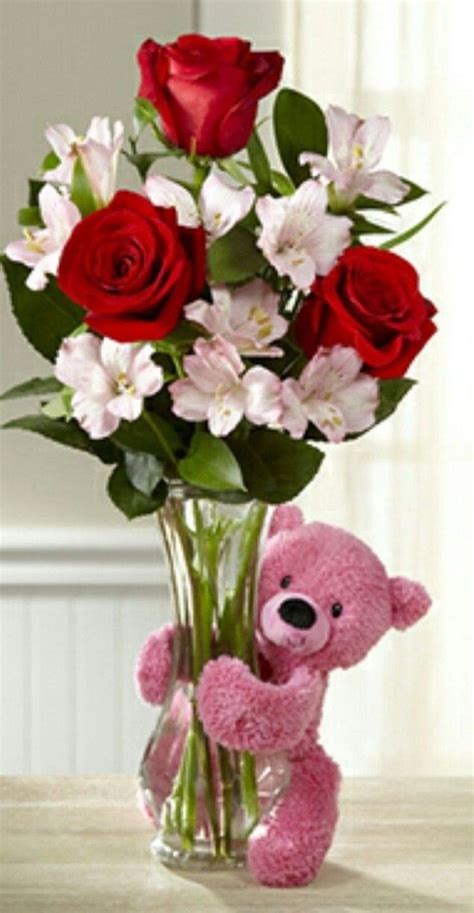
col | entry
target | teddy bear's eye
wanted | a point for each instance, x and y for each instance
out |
(336, 609)
(285, 581)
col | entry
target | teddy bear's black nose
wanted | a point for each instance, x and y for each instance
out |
(298, 613)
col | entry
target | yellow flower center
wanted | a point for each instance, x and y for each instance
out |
(357, 157)
(261, 318)
(32, 243)
(123, 384)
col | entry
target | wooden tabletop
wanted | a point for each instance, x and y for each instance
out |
(79, 844)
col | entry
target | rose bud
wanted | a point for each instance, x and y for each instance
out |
(207, 90)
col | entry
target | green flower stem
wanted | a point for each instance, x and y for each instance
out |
(161, 440)
(244, 608)
(209, 787)
(248, 788)
(201, 172)
(226, 771)
(201, 633)
(190, 773)
(202, 547)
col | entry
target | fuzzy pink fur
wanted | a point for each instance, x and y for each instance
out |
(154, 664)
(242, 712)
(288, 848)
(308, 569)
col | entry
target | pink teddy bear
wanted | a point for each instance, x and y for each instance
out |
(324, 599)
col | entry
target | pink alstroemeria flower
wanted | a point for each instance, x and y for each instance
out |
(332, 393)
(99, 153)
(298, 237)
(41, 248)
(357, 146)
(247, 317)
(221, 205)
(110, 380)
(217, 390)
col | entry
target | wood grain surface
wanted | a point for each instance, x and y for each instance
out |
(80, 844)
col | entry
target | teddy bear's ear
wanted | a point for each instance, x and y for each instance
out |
(286, 517)
(410, 601)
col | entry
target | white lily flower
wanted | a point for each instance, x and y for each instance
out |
(110, 380)
(298, 237)
(357, 146)
(41, 248)
(216, 389)
(332, 393)
(247, 317)
(99, 152)
(163, 191)
(221, 204)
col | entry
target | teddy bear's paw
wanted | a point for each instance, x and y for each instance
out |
(222, 691)
(154, 663)
(283, 860)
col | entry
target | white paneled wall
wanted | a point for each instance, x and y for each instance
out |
(72, 620)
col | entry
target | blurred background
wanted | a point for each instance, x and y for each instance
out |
(80, 587)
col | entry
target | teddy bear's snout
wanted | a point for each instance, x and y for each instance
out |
(298, 613)
(294, 621)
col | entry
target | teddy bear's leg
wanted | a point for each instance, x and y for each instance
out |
(288, 847)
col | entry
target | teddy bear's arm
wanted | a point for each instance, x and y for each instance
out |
(243, 713)
(154, 665)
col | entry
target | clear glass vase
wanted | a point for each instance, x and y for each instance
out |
(203, 799)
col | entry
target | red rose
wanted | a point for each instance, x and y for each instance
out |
(132, 268)
(207, 90)
(371, 301)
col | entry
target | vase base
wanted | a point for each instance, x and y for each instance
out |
(201, 858)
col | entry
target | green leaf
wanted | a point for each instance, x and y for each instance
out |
(232, 168)
(45, 317)
(67, 433)
(129, 500)
(144, 471)
(181, 338)
(414, 193)
(363, 202)
(29, 216)
(259, 161)
(34, 189)
(406, 235)
(391, 393)
(60, 406)
(81, 191)
(37, 386)
(145, 115)
(148, 434)
(143, 161)
(50, 161)
(235, 257)
(210, 464)
(300, 126)
(362, 226)
(282, 184)
(144, 112)
(275, 467)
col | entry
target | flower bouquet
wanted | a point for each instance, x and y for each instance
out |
(208, 336)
